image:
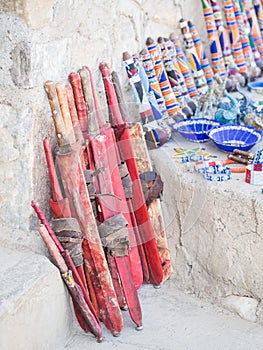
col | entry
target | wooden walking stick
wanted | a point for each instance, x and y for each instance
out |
(70, 275)
(153, 81)
(124, 143)
(222, 32)
(81, 209)
(115, 158)
(113, 227)
(61, 210)
(147, 175)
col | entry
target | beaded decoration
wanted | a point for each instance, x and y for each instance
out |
(187, 159)
(217, 169)
(217, 178)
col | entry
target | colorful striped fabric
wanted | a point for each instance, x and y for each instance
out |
(138, 90)
(218, 63)
(153, 81)
(201, 53)
(222, 33)
(172, 54)
(197, 71)
(173, 76)
(247, 51)
(183, 64)
(254, 29)
(147, 87)
(259, 13)
(171, 102)
(234, 37)
(254, 48)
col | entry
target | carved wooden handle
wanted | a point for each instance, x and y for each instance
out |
(62, 139)
(93, 128)
(53, 249)
(122, 104)
(75, 82)
(74, 115)
(63, 102)
(100, 116)
(115, 115)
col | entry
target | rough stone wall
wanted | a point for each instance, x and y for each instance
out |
(42, 40)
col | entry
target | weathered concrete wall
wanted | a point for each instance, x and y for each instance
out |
(215, 233)
(47, 40)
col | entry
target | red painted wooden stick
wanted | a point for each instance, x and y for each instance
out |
(141, 212)
(95, 263)
(81, 209)
(92, 323)
(75, 82)
(100, 146)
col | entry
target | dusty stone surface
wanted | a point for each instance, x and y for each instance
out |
(174, 320)
(214, 229)
(33, 302)
(243, 306)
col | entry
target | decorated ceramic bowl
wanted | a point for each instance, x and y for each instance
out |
(255, 87)
(195, 129)
(229, 137)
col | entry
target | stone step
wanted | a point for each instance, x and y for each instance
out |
(35, 313)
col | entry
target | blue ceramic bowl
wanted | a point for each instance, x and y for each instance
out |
(228, 137)
(195, 129)
(255, 87)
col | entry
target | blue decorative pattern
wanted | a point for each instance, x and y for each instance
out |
(195, 129)
(229, 137)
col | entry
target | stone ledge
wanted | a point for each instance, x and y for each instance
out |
(214, 230)
(34, 305)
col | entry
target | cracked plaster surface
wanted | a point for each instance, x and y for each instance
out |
(217, 250)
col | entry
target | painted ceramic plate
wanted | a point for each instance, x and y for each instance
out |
(195, 129)
(255, 87)
(229, 137)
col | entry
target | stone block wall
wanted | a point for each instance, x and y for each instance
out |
(46, 41)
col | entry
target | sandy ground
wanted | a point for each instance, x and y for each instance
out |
(176, 321)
